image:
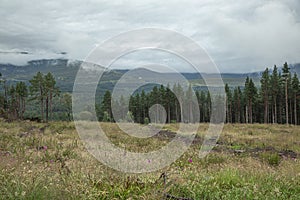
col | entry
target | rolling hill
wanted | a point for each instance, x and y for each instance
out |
(65, 71)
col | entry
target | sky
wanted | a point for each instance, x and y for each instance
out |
(238, 35)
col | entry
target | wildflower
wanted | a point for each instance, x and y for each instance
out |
(23, 193)
(190, 160)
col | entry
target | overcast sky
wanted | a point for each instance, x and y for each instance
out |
(239, 35)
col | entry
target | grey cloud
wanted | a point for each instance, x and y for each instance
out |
(239, 35)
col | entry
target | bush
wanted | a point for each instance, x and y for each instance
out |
(85, 115)
(271, 158)
(146, 120)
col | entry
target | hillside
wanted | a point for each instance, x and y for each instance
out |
(65, 72)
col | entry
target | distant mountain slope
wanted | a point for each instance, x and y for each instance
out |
(295, 68)
(65, 72)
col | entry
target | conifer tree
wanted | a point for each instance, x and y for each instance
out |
(295, 92)
(286, 76)
(275, 90)
(37, 91)
(265, 84)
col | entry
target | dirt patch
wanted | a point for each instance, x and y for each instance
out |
(165, 135)
(257, 150)
(288, 154)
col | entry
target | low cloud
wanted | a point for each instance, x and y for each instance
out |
(239, 35)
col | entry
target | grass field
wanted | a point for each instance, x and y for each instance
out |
(49, 161)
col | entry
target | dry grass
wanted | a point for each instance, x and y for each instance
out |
(49, 161)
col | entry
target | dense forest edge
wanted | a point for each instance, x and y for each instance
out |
(275, 100)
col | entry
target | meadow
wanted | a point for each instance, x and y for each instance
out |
(49, 161)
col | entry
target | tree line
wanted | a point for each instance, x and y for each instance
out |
(42, 89)
(275, 101)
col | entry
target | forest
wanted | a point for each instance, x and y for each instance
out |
(275, 100)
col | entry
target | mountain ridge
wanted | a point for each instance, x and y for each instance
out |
(65, 72)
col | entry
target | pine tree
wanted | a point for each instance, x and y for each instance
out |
(228, 103)
(143, 107)
(13, 104)
(122, 104)
(265, 82)
(169, 99)
(178, 92)
(237, 104)
(286, 74)
(106, 111)
(208, 104)
(50, 90)
(295, 92)
(37, 91)
(189, 104)
(154, 99)
(199, 104)
(22, 93)
(67, 104)
(250, 95)
(275, 90)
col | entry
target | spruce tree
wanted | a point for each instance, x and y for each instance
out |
(275, 90)
(295, 92)
(37, 91)
(228, 103)
(265, 84)
(286, 75)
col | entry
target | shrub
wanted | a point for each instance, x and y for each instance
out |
(146, 120)
(271, 158)
(85, 115)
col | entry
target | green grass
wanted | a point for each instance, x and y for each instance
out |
(49, 161)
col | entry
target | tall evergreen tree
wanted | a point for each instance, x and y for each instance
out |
(275, 90)
(250, 95)
(37, 91)
(286, 75)
(189, 104)
(106, 112)
(265, 84)
(228, 103)
(295, 92)
(22, 93)
(237, 102)
(51, 91)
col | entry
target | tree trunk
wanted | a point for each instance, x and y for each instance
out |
(291, 111)
(191, 120)
(295, 110)
(275, 111)
(42, 104)
(47, 108)
(176, 112)
(181, 111)
(227, 111)
(50, 105)
(246, 115)
(266, 111)
(250, 111)
(280, 112)
(23, 108)
(169, 114)
(286, 103)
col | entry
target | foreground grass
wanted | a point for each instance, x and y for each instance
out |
(48, 161)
